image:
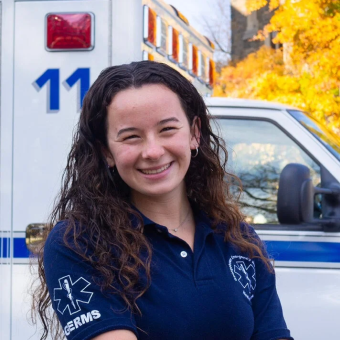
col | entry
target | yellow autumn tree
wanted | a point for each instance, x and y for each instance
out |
(305, 72)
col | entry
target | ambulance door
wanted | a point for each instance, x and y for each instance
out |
(51, 78)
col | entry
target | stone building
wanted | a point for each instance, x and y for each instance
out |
(244, 26)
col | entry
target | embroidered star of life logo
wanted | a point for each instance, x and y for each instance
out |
(243, 271)
(69, 294)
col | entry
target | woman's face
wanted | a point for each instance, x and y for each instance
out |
(150, 140)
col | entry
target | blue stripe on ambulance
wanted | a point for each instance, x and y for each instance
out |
(295, 251)
(299, 251)
(19, 247)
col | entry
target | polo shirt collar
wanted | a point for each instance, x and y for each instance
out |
(202, 222)
(146, 220)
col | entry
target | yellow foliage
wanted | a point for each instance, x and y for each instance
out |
(310, 76)
(254, 5)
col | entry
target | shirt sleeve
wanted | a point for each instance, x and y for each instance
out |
(83, 310)
(269, 323)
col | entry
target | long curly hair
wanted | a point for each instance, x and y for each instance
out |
(95, 202)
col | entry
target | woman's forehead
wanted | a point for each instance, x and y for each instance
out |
(154, 100)
(142, 95)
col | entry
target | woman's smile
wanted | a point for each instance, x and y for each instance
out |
(155, 170)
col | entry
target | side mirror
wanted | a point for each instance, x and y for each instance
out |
(35, 236)
(295, 201)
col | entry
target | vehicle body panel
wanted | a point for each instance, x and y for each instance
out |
(308, 279)
(36, 139)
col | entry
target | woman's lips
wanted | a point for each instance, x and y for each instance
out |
(155, 171)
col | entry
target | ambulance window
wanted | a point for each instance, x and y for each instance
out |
(258, 151)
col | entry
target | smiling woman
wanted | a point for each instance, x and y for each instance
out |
(149, 141)
(147, 241)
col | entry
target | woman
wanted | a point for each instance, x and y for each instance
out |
(149, 243)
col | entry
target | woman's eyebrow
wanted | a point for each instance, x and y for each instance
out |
(164, 121)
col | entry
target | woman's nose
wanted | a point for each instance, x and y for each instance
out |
(153, 149)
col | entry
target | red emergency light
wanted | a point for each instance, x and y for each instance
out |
(69, 31)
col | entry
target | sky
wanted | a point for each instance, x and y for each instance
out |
(196, 10)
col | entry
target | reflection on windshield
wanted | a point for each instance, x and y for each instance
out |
(257, 153)
(326, 137)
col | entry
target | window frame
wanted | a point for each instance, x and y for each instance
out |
(267, 226)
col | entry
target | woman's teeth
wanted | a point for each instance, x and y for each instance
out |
(152, 172)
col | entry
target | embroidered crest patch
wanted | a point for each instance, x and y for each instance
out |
(243, 271)
(70, 293)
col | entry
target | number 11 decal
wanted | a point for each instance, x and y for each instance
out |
(80, 76)
(51, 77)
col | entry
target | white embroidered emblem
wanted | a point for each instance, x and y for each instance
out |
(243, 271)
(69, 294)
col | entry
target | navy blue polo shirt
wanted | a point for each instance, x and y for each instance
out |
(215, 292)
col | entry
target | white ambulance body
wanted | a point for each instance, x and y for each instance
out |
(262, 138)
(43, 81)
(51, 51)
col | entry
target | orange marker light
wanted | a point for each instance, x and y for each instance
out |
(194, 60)
(147, 56)
(173, 44)
(150, 26)
(211, 72)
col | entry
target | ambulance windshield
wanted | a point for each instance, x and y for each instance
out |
(329, 139)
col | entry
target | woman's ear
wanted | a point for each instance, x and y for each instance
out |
(195, 133)
(108, 157)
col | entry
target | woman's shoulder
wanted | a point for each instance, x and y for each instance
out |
(246, 229)
(57, 233)
(63, 246)
(62, 238)
(242, 240)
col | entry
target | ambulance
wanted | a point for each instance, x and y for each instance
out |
(289, 166)
(51, 52)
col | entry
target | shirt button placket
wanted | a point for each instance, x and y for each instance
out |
(184, 253)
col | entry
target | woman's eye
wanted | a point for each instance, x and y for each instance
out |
(168, 128)
(130, 137)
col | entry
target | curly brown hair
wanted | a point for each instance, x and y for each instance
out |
(95, 202)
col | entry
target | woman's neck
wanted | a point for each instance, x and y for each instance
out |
(168, 211)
